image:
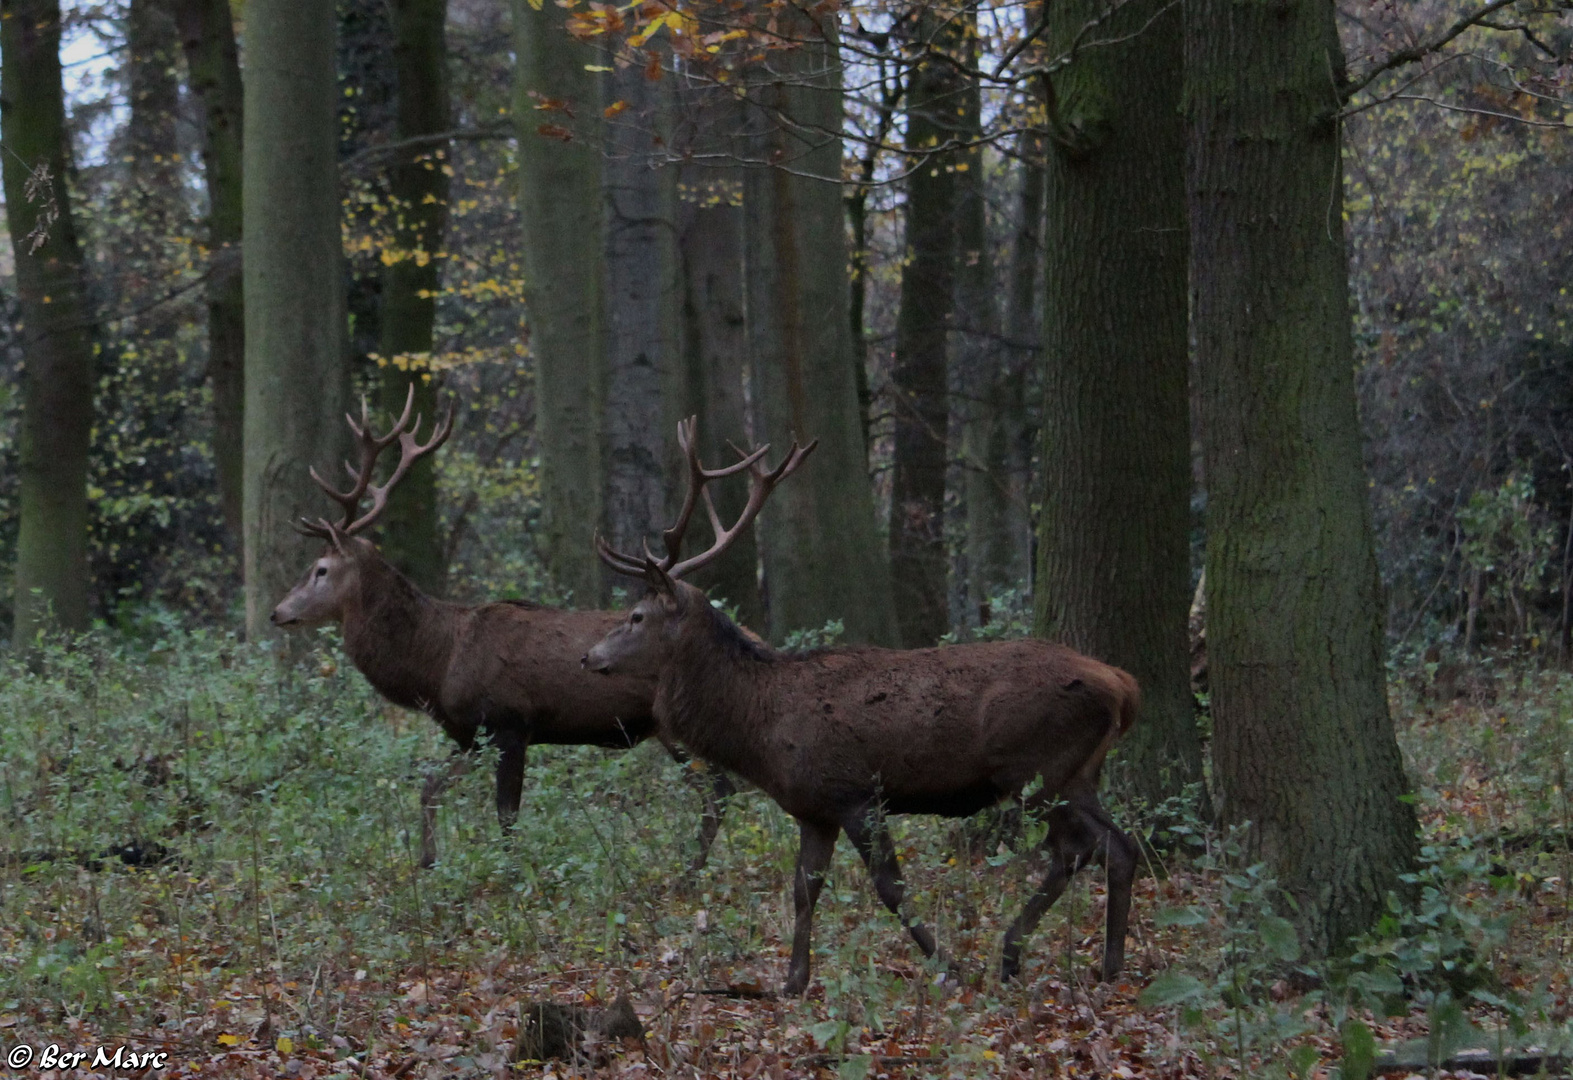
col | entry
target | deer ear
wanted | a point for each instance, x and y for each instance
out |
(659, 580)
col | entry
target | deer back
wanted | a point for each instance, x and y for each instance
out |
(943, 730)
(518, 664)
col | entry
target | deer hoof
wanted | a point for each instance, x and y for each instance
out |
(1010, 967)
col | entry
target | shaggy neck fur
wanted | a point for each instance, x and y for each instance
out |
(401, 639)
(711, 695)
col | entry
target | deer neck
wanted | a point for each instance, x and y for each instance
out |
(401, 639)
(712, 696)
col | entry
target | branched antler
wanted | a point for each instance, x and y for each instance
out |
(761, 483)
(371, 446)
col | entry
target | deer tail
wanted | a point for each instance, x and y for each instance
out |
(1130, 700)
(1127, 700)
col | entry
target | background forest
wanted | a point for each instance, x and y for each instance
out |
(1228, 344)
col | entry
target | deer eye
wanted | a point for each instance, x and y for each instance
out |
(636, 617)
(322, 571)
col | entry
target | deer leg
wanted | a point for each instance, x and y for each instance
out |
(510, 780)
(1038, 903)
(866, 829)
(719, 789)
(1120, 855)
(459, 762)
(1079, 833)
(815, 846)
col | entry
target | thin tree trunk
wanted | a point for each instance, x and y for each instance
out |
(1564, 627)
(1114, 571)
(154, 100)
(640, 291)
(998, 449)
(974, 346)
(560, 204)
(1303, 745)
(57, 348)
(207, 35)
(822, 554)
(891, 92)
(419, 190)
(918, 386)
(715, 343)
(296, 376)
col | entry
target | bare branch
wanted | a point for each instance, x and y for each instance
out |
(415, 142)
(1416, 53)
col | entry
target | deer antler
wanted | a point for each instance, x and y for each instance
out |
(371, 447)
(761, 483)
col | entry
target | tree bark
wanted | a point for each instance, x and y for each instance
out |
(918, 385)
(57, 347)
(997, 447)
(296, 375)
(207, 36)
(641, 367)
(560, 204)
(419, 191)
(715, 344)
(822, 554)
(153, 93)
(975, 352)
(1113, 535)
(1303, 745)
(891, 92)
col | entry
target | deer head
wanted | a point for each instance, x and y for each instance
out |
(640, 645)
(321, 593)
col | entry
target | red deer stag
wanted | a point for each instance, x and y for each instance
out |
(508, 671)
(842, 737)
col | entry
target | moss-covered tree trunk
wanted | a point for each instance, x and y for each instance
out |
(296, 376)
(560, 205)
(935, 97)
(419, 190)
(1113, 536)
(822, 554)
(207, 35)
(57, 346)
(641, 292)
(997, 446)
(715, 345)
(1303, 745)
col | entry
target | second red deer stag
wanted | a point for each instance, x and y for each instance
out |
(506, 671)
(842, 737)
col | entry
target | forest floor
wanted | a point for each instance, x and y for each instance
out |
(287, 933)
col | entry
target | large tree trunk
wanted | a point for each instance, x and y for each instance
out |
(1303, 746)
(997, 447)
(822, 554)
(918, 388)
(294, 289)
(560, 205)
(715, 345)
(419, 190)
(57, 349)
(213, 71)
(641, 368)
(1114, 572)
